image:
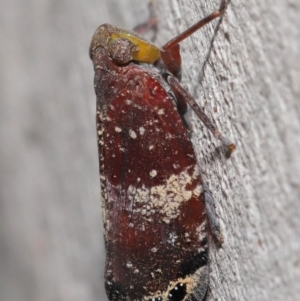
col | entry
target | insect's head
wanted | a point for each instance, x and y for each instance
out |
(123, 46)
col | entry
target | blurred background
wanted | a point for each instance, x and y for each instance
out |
(51, 245)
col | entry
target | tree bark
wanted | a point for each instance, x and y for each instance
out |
(244, 69)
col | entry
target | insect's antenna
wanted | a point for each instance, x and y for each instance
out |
(195, 27)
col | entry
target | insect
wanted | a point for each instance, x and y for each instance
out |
(156, 208)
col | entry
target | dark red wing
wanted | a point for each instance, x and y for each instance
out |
(154, 208)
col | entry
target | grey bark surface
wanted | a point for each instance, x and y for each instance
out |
(244, 70)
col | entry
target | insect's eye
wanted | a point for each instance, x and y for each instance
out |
(177, 293)
(121, 50)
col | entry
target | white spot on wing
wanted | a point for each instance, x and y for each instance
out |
(197, 191)
(132, 134)
(129, 265)
(172, 238)
(164, 199)
(153, 173)
(201, 231)
(142, 130)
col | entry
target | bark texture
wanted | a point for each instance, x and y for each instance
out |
(245, 71)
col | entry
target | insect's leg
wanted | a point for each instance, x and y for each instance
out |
(175, 41)
(150, 25)
(170, 53)
(211, 214)
(183, 95)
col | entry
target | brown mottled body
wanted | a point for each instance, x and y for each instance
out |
(154, 211)
(155, 207)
